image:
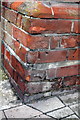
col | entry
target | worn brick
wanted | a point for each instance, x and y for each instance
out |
(9, 28)
(7, 55)
(3, 9)
(51, 73)
(19, 19)
(21, 84)
(32, 42)
(8, 67)
(69, 81)
(34, 26)
(37, 75)
(47, 42)
(6, 4)
(20, 36)
(10, 15)
(46, 56)
(16, 4)
(74, 54)
(78, 80)
(76, 26)
(3, 23)
(35, 9)
(70, 41)
(2, 48)
(67, 71)
(38, 42)
(18, 66)
(46, 9)
(2, 34)
(58, 83)
(67, 11)
(20, 51)
(32, 57)
(37, 87)
(9, 40)
(54, 43)
(15, 76)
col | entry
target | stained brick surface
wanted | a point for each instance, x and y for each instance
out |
(40, 45)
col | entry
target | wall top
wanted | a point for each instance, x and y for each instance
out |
(67, 9)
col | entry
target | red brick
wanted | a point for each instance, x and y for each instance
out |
(9, 40)
(19, 19)
(20, 35)
(66, 11)
(67, 71)
(78, 80)
(76, 27)
(7, 55)
(69, 81)
(39, 10)
(21, 84)
(10, 15)
(15, 75)
(3, 23)
(9, 28)
(8, 67)
(2, 48)
(57, 83)
(35, 26)
(18, 66)
(2, 34)
(74, 54)
(38, 42)
(32, 57)
(16, 4)
(20, 51)
(3, 9)
(46, 57)
(55, 42)
(70, 41)
(6, 4)
(52, 56)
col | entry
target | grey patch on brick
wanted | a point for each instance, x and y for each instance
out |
(33, 97)
(47, 105)
(37, 87)
(22, 112)
(55, 65)
(70, 99)
(60, 113)
(76, 108)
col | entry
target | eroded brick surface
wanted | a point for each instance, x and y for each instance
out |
(40, 46)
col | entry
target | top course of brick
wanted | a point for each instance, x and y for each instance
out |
(67, 9)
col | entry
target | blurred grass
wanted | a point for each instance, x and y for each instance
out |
(3, 75)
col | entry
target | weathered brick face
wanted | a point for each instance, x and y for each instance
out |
(40, 46)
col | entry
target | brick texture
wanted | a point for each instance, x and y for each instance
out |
(40, 45)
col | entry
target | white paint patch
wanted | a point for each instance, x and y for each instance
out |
(52, 11)
(72, 27)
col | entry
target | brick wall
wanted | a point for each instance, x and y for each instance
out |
(40, 46)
